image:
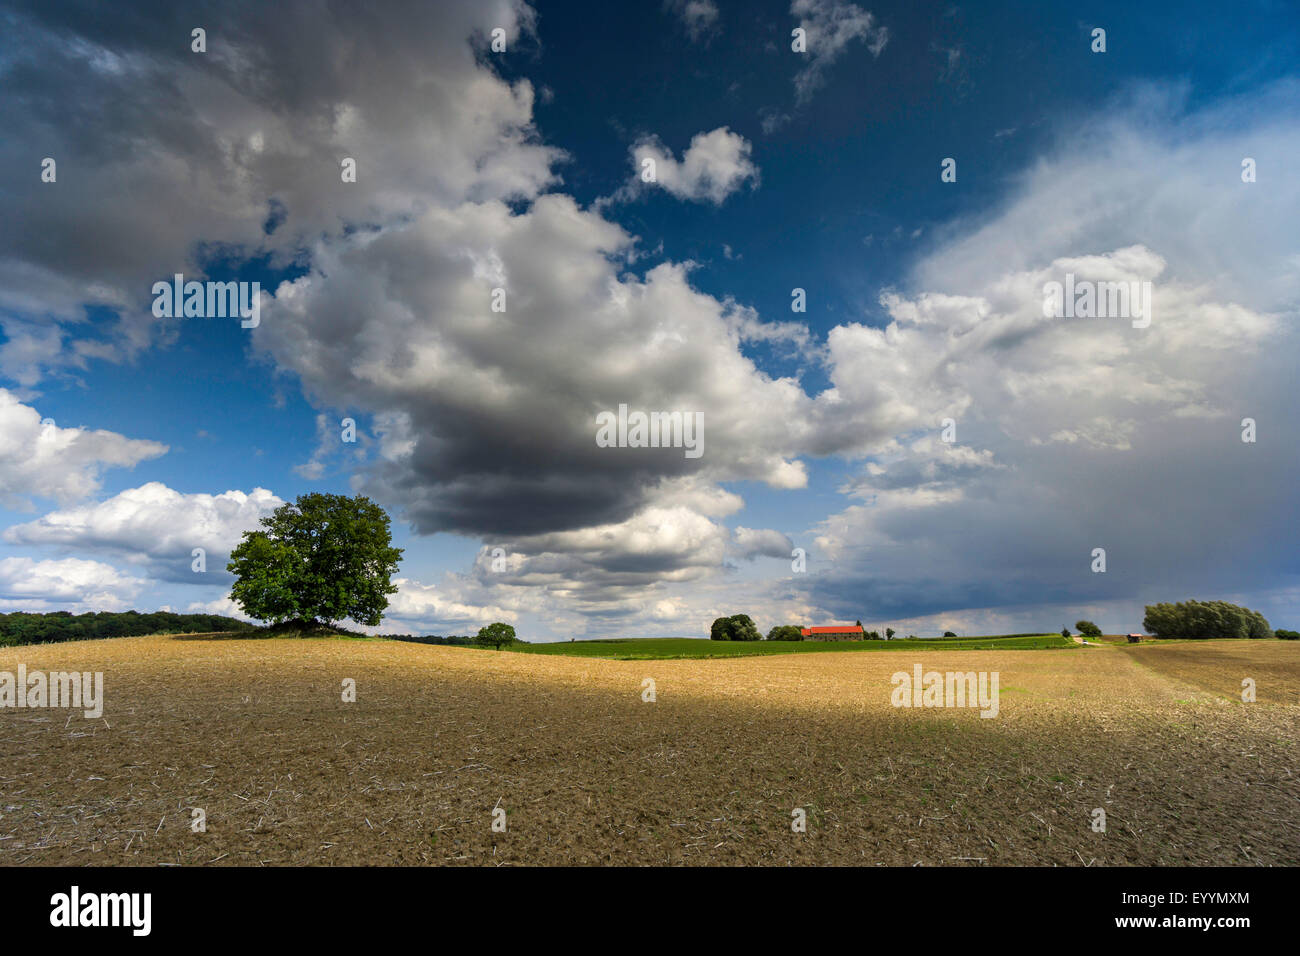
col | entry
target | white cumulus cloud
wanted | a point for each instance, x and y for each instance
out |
(715, 165)
(40, 459)
(154, 527)
(69, 583)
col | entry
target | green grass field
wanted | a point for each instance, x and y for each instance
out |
(662, 648)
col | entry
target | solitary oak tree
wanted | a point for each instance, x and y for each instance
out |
(498, 635)
(321, 559)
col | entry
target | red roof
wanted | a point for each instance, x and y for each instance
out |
(835, 629)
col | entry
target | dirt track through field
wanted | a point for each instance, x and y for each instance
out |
(256, 734)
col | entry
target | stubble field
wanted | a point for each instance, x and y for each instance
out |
(255, 733)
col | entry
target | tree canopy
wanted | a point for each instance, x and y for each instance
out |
(785, 632)
(322, 558)
(738, 627)
(1204, 619)
(496, 634)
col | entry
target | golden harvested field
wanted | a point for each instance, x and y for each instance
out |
(256, 734)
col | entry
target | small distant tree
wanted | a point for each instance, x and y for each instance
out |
(785, 632)
(873, 635)
(889, 633)
(1087, 629)
(1284, 635)
(1065, 632)
(949, 634)
(496, 635)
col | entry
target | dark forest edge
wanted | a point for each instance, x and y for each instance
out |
(20, 628)
(23, 627)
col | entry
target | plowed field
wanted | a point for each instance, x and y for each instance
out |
(255, 733)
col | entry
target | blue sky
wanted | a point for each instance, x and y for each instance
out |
(778, 170)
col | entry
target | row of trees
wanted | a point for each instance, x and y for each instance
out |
(22, 627)
(1197, 620)
(1204, 619)
(452, 640)
(496, 635)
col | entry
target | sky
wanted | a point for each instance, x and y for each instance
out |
(823, 230)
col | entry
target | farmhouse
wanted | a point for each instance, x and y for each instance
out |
(836, 632)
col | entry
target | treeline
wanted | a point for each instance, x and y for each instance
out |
(1202, 620)
(456, 639)
(21, 627)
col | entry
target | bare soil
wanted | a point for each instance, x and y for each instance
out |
(255, 733)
